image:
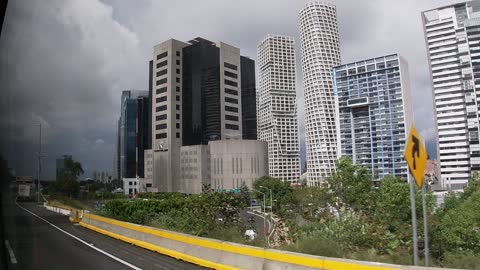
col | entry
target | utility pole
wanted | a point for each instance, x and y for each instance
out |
(39, 154)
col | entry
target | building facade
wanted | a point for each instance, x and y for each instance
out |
(133, 135)
(374, 113)
(320, 48)
(452, 35)
(195, 168)
(197, 97)
(277, 110)
(222, 165)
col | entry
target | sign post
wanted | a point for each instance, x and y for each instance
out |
(425, 227)
(416, 158)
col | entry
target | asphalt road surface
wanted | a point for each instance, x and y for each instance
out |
(35, 238)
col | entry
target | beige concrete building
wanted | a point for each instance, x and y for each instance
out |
(222, 165)
(194, 168)
(237, 162)
(166, 113)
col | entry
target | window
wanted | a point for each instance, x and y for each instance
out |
(231, 83)
(230, 66)
(178, 62)
(161, 90)
(161, 72)
(177, 79)
(162, 81)
(177, 107)
(231, 117)
(160, 117)
(178, 134)
(230, 74)
(231, 109)
(161, 126)
(161, 99)
(177, 98)
(178, 53)
(231, 100)
(162, 64)
(178, 88)
(177, 125)
(230, 126)
(231, 92)
(178, 116)
(162, 55)
(178, 71)
(161, 108)
(161, 136)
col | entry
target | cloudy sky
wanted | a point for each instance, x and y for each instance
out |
(64, 63)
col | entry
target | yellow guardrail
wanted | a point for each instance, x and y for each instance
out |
(271, 255)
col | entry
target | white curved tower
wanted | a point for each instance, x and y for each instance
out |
(320, 45)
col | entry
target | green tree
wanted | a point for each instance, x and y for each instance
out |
(67, 184)
(351, 186)
(282, 193)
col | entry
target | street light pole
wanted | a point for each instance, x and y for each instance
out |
(271, 200)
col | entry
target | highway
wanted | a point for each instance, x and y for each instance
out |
(35, 238)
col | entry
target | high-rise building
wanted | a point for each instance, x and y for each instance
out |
(277, 112)
(374, 113)
(197, 98)
(133, 133)
(320, 45)
(452, 35)
(249, 99)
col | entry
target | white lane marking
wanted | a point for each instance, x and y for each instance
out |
(160, 266)
(13, 260)
(84, 242)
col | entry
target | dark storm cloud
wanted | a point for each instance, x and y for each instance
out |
(61, 66)
(64, 63)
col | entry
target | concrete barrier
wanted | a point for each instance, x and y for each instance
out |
(218, 254)
(57, 209)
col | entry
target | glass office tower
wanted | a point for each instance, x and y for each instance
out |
(374, 113)
(134, 137)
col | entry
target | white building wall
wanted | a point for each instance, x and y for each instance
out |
(277, 110)
(448, 34)
(320, 53)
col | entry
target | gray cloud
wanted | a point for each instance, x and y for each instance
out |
(64, 63)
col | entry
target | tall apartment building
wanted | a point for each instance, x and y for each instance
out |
(374, 113)
(197, 97)
(133, 133)
(320, 45)
(452, 35)
(277, 110)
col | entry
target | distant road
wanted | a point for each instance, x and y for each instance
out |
(245, 215)
(40, 239)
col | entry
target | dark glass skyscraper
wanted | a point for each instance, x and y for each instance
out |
(135, 110)
(249, 99)
(201, 93)
(210, 92)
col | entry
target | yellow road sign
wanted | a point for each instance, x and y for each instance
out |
(416, 156)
